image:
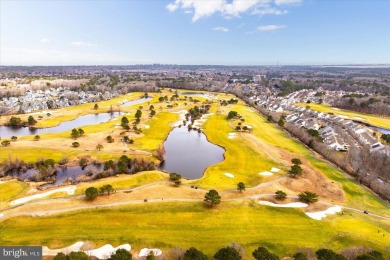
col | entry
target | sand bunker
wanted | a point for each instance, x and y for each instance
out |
(182, 116)
(106, 251)
(103, 252)
(322, 214)
(229, 175)
(335, 108)
(69, 190)
(1, 215)
(146, 251)
(266, 173)
(232, 135)
(147, 126)
(287, 205)
(275, 169)
(358, 118)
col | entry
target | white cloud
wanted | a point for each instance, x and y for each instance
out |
(270, 27)
(287, 2)
(221, 29)
(230, 8)
(273, 11)
(83, 44)
(45, 40)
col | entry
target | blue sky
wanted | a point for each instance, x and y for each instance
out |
(228, 32)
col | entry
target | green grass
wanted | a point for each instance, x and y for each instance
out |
(241, 159)
(367, 118)
(12, 189)
(160, 126)
(124, 181)
(167, 225)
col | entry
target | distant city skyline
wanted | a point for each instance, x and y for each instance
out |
(194, 32)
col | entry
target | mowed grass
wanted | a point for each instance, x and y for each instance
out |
(241, 160)
(185, 224)
(367, 118)
(124, 181)
(357, 195)
(12, 189)
(159, 128)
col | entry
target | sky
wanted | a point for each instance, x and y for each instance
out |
(213, 32)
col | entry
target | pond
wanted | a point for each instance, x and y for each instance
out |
(90, 119)
(382, 130)
(189, 153)
(196, 94)
(62, 174)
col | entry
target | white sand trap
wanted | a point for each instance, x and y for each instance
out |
(182, 116)
(103, 252)
(146, 251)
(1, 215)
(147, 126)
(229, 175)
(114, 119)
(343, 116)
(70, 190)
(275, 169)
(287, 205)
(322, 214)
(232, 135)
(335, 108)
(66, 250)
(106, 251)
(266, 173)
(358, 118)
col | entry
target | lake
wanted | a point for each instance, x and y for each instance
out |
(189, 153)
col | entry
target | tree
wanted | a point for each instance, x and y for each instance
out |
(75, 133)
(109, 139)
(280, 195)
(124, 122)
(91, 193)
(151, 256)
(99, 147)
(238, 128)
(373, 255)
(175, 178)
(96, 106)
(81, 132)
(281, 121)
(37, 138)
(5, 143)
(212, 197)
(31, 120)
(227, 253)
(78, 256)
(296, 161)
(138, 114)
(14, 138)
(152, 113)
(299, 256)
(75, 144)
(151, 107)
(194, 254)
(232, 114)
(295, 170)
(60, 256)
(308, 197)
(240, 186)
(107, 188)
(121, 254)
(269, 118)
(15, 121)
(160, 99)
(49, 162)
(327, 254)
(262, 253)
